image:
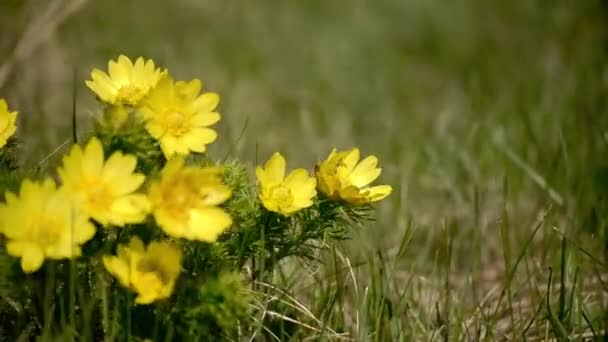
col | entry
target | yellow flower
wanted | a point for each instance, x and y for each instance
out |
(178, 116)
(42, 223)
(127, 83)
(7, 123)
(342, 176)
(284, 195)
(185, 199)
(150, 272)
(105, 189)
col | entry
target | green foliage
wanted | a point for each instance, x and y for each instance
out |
(132, 138)
(10, 176)
(596, 222)
(11, 303)
(269, 238)
(217, 307)
(245, 208)
(10, 181)
(8, 159)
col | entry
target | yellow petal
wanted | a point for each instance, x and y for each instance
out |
(31, 259)
(103, 80)
(130, 209)
(207, 224)
(376, 193)
(4, 121)
(84, 231)
(118, 172)
(353, 195)
(204, 119)
(149, 288)
(350, 160)
(365, 172)
(173, 225)
(302, 186)
(102, 86)
(155, 128)
(119, 72)
(198, 138)
(275, 168)
(162, 96)
(138, 73)
(118, 268)
(168, 257)
(332, 153)
(205, 103)
(93, 158)
(17, 247)
(169, 146)
(189, 90)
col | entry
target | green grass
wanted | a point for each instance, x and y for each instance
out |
(489, 119)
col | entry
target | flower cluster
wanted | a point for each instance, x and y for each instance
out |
(173, 213)
(340, 177)
(173, 112)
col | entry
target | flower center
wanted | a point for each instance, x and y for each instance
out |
(175, 122)
(150, 285)
(179, 198)
(99, 195)
(152, 265)
(282, 196)
(44, 230)
(129, 93)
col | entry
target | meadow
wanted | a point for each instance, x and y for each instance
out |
(489, 119)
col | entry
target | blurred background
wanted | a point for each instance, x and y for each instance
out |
(484, 114)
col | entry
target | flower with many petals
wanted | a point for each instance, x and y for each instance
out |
(127, 82)
(151, 272)
(8, 122)
(178, 116)
(43, 223)
(185, 201)
(105, 189)
(284, 195)
(342, 176)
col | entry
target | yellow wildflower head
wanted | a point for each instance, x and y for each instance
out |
(342, 176)
(127, 83)
(43, 223)
(178, 116)
(105, 189)
(150, 272)
(8, 123)
(185, 199)
(284, 195)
